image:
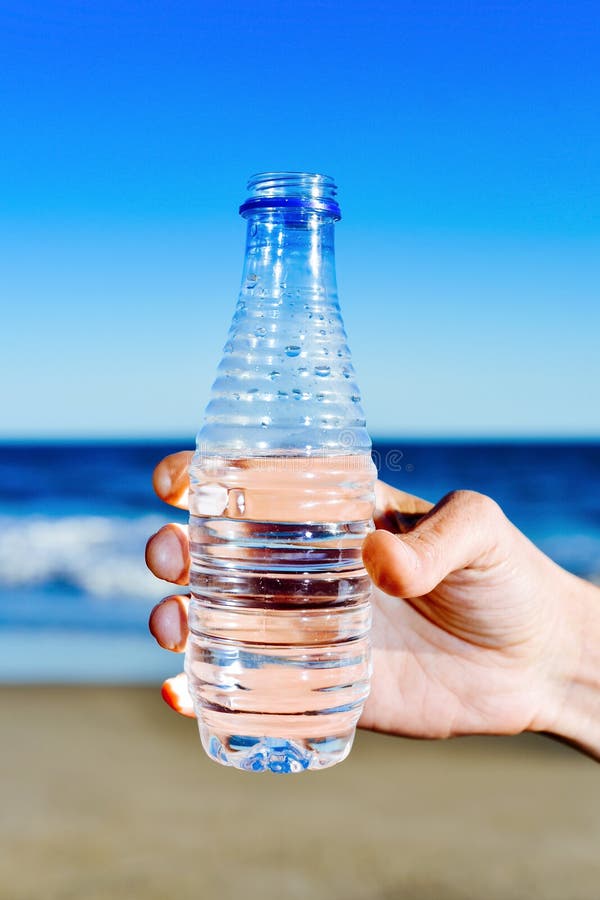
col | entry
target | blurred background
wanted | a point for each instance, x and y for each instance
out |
(465, 141)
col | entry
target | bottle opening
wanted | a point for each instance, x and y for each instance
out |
(292, 190)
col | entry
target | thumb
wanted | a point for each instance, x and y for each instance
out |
(458, 532)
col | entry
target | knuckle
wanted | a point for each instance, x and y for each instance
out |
(474, 502)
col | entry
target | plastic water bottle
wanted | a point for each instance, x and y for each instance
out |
(281, 498)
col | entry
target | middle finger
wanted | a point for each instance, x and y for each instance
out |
(168, 553)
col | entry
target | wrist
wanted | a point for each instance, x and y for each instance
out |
(576, 701)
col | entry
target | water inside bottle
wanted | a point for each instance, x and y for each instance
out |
(278, 658)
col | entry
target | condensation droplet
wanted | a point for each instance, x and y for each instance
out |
(236, 396)
(260, 332)
(296, 394)
(282, 395)
(292, 350)
(302, 371)
(322, 331)
(340, 353)
(274, 374)
(346, 372)
(252, 392)
(320, 397)
(322, 371)
(264, 423)
(240, 502)
(355, 398)
(325, 351)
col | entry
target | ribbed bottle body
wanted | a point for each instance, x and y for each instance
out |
(278, 659)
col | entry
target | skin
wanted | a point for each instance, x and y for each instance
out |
(475, 630)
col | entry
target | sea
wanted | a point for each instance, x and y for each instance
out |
(75, 594)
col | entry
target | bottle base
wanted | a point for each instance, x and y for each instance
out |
(279, 755)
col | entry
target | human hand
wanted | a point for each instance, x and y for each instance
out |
(487, 638)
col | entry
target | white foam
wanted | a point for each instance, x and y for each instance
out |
(101, 555)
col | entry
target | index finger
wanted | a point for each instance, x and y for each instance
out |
(397, 511)
(171, 480)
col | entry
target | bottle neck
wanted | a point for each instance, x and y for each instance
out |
(290, 254)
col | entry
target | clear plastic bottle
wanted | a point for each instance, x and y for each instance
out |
(281, 498)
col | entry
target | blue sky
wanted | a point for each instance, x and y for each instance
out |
(465, 139)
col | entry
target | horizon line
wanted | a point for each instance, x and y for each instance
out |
(408, 437)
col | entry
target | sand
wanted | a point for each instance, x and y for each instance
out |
(106, 794)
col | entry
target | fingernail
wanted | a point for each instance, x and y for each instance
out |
(162, 480)
(168, 624)
(165, 555)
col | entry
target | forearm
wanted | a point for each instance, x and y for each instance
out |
(577, 719)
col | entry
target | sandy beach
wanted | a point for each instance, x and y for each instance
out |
(106, 794)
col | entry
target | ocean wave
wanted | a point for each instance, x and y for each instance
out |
(102, 556)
